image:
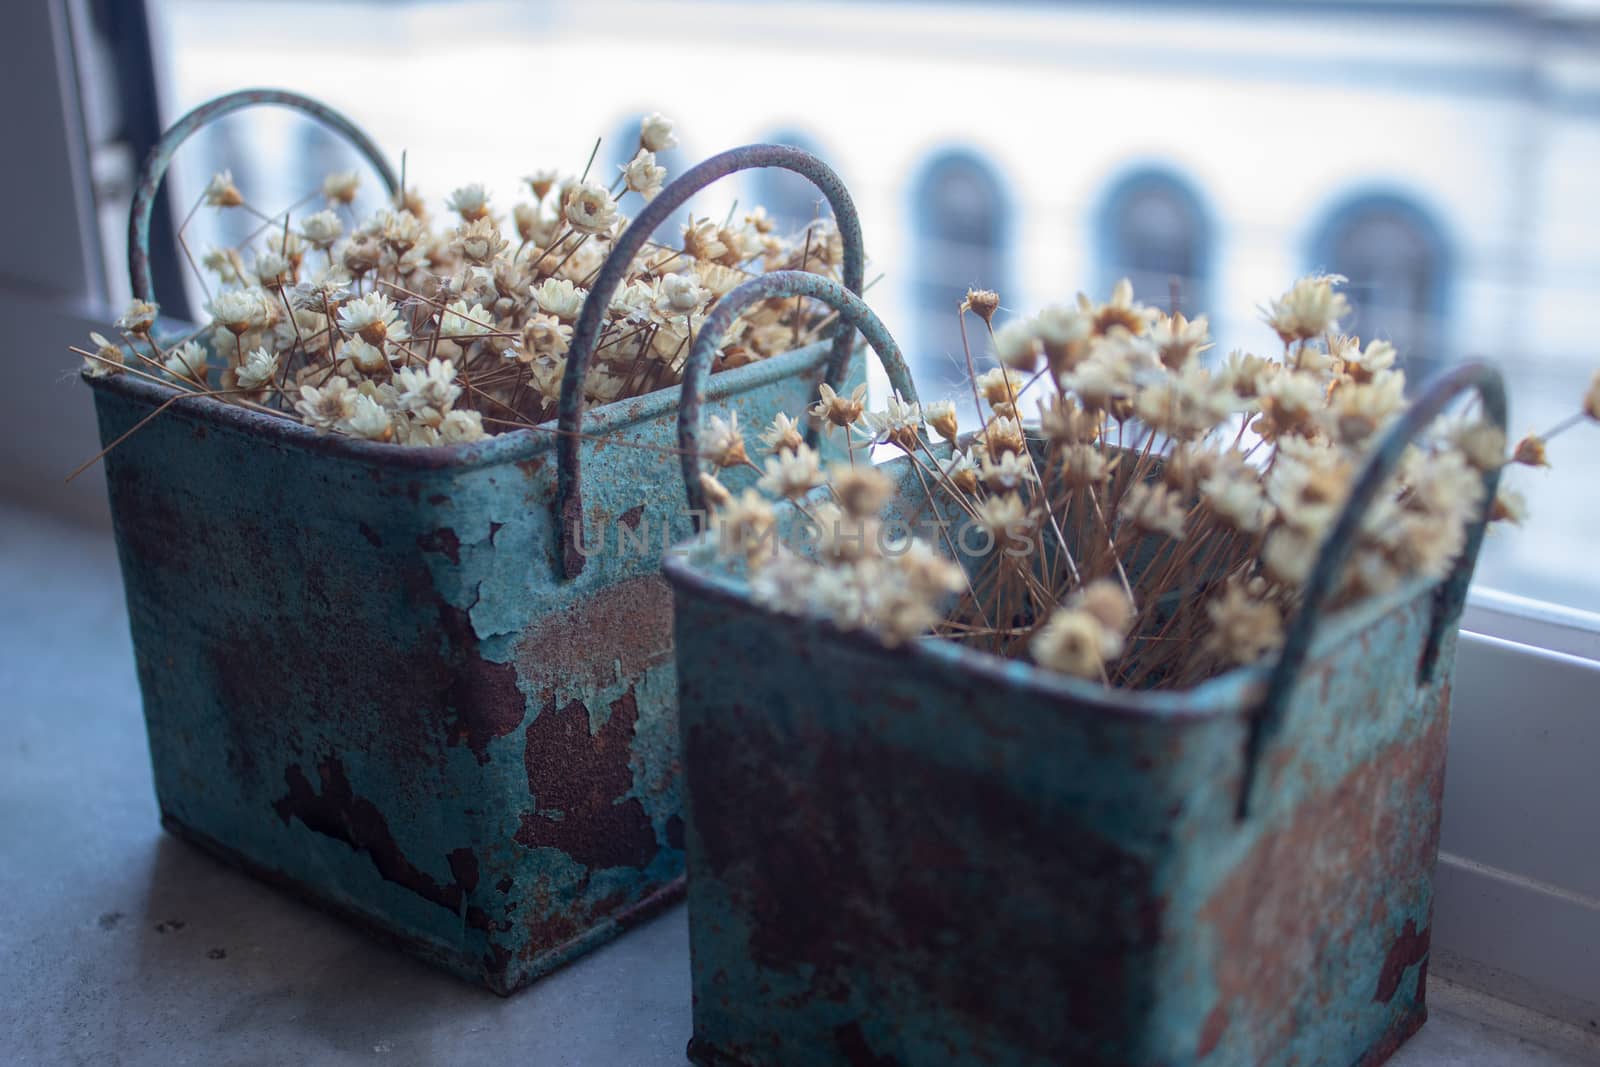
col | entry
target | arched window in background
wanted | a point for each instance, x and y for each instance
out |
(1398, 265)
(962, 220)
(792, 201)
(1154, 231)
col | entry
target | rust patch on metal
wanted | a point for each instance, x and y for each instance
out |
(1211, 1031)
(631, 517)
(910, 859)
(342, 814)
(442, 540)
(581, 782)
(371, 535)
(623, 629)
(853, 1046)
(483, 698)
(1282, 906)
(1409, 949)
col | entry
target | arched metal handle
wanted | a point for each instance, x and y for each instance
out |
(160, 158)
(784, 283)
(1451, 594)
(569, 490)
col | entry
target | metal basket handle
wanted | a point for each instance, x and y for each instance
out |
(784, 283)
(1449, 597)
(160, 158)
(569, 490)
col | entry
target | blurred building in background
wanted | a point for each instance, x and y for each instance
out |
(1444, 156)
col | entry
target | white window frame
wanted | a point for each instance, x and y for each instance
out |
(1517, 910)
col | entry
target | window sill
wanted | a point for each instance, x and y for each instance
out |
(139, 948)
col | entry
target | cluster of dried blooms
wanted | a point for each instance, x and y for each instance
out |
(1155, 522)
(418, 331)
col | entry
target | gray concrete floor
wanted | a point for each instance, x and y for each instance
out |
(121, 946)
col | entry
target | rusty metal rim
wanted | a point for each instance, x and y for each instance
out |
(853, 313)
(155, 165)
(508, 447)
(1234, 693)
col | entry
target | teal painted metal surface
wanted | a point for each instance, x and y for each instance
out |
(929, 855)
(367, 676)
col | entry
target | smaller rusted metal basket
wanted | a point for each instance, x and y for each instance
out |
(930, 855)
(396, 680)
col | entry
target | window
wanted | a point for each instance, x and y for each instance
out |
(1153, 231)
(961, 220)
(790, 199)
(1400, 275)
(1445, 109)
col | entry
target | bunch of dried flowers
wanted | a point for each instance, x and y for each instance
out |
(420, 331)
(1154, 522)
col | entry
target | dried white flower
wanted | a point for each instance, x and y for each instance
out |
(792, 473)
(1244, 627)
(221, 192)
(341, 188)
(107, 359)
(257, 370)
(238, 310)
(723, 444)
(1017, 345)
(899, 423)
(138, 317)
(187, 363)
(1287, 555)
(1312, 307)
(463, 323)
(374, 318)
(839, 410)
(1236, 497)
(369, 359)
(642, 175)
(655, 133)
(1009, 474)
(1074, 642)
(1154, 508)
(471, 202)
(961, 472)
(328, 406)
(321, 229)
(1378, 357)
(941, 415)
(367, 419)
(784, 433)
(1001, 388)
(461, 428)
(589, 209)
(1179, 341)
(429, 388)
(559, 297)
(544, 336)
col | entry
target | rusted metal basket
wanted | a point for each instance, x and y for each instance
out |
(388, 678)
(930, 855)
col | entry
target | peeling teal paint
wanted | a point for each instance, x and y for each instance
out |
(364, 677)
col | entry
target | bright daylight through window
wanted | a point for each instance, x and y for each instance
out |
(1464, 220)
